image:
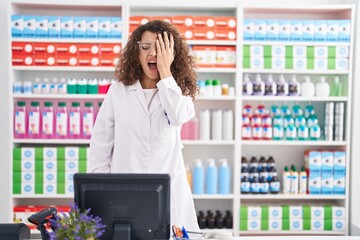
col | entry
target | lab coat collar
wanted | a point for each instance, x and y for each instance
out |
(140, 96)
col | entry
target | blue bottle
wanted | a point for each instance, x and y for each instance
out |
(224, 177)
(198, 177)
(211, 177)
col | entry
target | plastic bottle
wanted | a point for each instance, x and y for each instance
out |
(245, 185)
(61, 122)
(294, 180)
(278, 132)
(88, 120)
(258, 86)
(227, 125)
(307, 88)
(205, 124)
(244, 162)
(93, 86)
(211, 177)
(82, 86)
(62, 87)
(254, 173)
(202, 88)
(263, 173)
(255, 186)
(74, 120)
(17, 87)
(315, 131)
(71, 86)
(224, 89)
(322, 88)
(270, 86)
(228, 220)
(54, 88)
(336, 87)
(245, 172)
(188, 175)
(262, 163)
(291, 132)
(274, 186)
(270, 162)
(198, 177)
(247, 87)
(282, 87)
(45, 86)
(217, 87)
(20, 120)
(216, 124)
(264, 185)
(303, 180)
(286, 176)
(303, 132)
(272, 173)
(34, 121)
(253, 162)
(224, 177)
(294, 86)
(48, 120)
(27, 86)
(36, 87)
(209, 88)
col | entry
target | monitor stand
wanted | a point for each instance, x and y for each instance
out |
(122, 231)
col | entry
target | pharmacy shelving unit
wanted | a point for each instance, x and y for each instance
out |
(232, 150)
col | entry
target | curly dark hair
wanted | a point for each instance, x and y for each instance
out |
(129, 70)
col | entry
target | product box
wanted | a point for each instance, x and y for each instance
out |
(314, 184)
(339, 163)
(344, 30)
(22, 48)
(332, 30)
(321, 63)
(278, 51)
(284, 30)
(88, 49)
(256, 50)
(317, 212)
(79, 27)
(44, 48)
(138, 20)
(254, 225)
(187, 33)
(320, 30)
(299, 63)
(26, 177)
(225, 34)
(327, 183)
(67, 49)
(17, 25)
(29, 26)
(275, 224)
(341, 52)
(92, 27)
(308, 30)
(256, 62)
(339, 184)
(183, 21)
(260, 30)
(249, 29)
(313, 161)
(54, 26)
(104, 27)
(225, 56)
(71, 166)
(50, 188)
(205, 56)
(204, 33)
(27, 189)
(22, 60)
(69, 189)
(50, 153)
(254, 212)
(296, 224)
(110, 49)
(317, 224)
(50, 165)
(327, 162)
(342, 63)
(44, 60)
(272, 29)
(108, 60)
(115, 27)
(225, 22)
(299, 51)
(66, 60)
(41, 30)
(338, 212)
(275, 212)
(295, 212)
(167, 19)
(320, 51)
(88, 60)
(278, 63)
(67, 27)
(337, 225)
(50, 177)
(296, 30)
(204, 21)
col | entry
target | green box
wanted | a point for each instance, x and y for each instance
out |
(243, 224)
(16, 188)
(289, 52)
(17, 165)
(267, 51)
(39, 153)
(307, 224)
(327, 212)
(17, 177)
(61, 165)
(246, 51)
(331, 52)
(310, 63)
(17, 153)
(306, 212)
(310, 52)
(265, 212)
(60, 153)
(264, 225)
(246, 62)
(39, 188)
(61, 188)
(285, 212)
(267, 63)
(243, 212)
(285, 224)
(82, 153)
(331, 63)
(82, 166)
(289, 63)
(328, 225)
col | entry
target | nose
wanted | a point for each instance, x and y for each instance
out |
(152, 50)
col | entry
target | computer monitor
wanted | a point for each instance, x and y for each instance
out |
(132, 206)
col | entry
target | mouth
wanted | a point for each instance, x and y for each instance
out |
(152, 65)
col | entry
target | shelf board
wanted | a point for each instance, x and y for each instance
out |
(37, 196)
(212, 42)
(51, 141)
(295, 71)
(68, 40)
(294, 98)
(297, 233)
(209, 142)
(294, 43)
(216, 70)
(213, 196)
(220, 98)
(67, 69)
(290, 197)
(292, 143)
(59, 96)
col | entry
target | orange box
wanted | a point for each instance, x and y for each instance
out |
(108, 60)
(44, 60)
(112, 49)
(183, 21)
(167, 19)
(66, 49)
(225, 21)
(22, 60)
(204, 33)
(44, 48)
(205, 56)
(138, 20)
(66, 60)
(89, 60)
(22, 47)
(225, 56)
(204, 21)
(225, 33)
(89, 49)
(186, 33)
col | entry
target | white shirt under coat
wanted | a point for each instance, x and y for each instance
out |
(130, 138)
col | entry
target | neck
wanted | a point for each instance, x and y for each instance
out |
(148, 84)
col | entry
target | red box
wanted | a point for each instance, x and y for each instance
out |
(225, 21)
(89, 60)
(108, 60)
(204, 21)
(66, 60)
(44, 48)
(225, 56)
(167, 19)
(112, 49)
(22, 60)
(138, 20)
(183, 21)
(225, 34)
(88, 49)
(205, 56)
(66, 49)
(204, 34)
(44, 60)
(186, 33)
(22, 47)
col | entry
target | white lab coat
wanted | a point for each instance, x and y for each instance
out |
(129, 138)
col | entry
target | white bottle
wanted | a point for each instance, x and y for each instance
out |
(303, 179)
(216, 124)
(36, 88)
(258, 86)
(307, 88)
(322, 88)
(247, 85)
(205, 125)
(45, 86)
(270, 86)
(286, 181)
(228, 125)
(62, 89)
(282, 87)
(54, 86)
(294, 180)
(294, 86)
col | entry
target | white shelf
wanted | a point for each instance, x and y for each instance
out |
(52, 141)
(291, 143)
(210, 142)
(221, 98)
(68, 40)
(298, 233)
(215, 196)
(59, 96)
(67, 69)
(212, 42)
(294, 99)
(290, 197)
(41, 196)
(216, 70)
(294, 43)
(295, 71)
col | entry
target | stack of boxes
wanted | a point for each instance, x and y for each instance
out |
(292, 218)
(326, 171)
(297, 56)
(47, 170)
(214, 56)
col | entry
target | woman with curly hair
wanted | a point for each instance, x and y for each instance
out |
(137, 129)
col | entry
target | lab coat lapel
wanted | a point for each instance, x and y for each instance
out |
(136, 87)
(155, 103)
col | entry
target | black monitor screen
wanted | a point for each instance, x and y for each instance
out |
(132, 206)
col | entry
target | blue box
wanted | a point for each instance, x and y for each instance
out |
(308, 30)
(92, 27)
(41, 27)
(67, 27)
(327, 163)
(327, 183)
(272, 29)
(296, 30)
(339, 184)
(54, 26)
(116, 27)
(29, 26)
(249, 29)
(320, 30)
(79, 27)
(104, 27)
(314, 185)
(339, 163)
(17, 25)
(260, 30)
(284, 30)
(344, 31)
(332, 30)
